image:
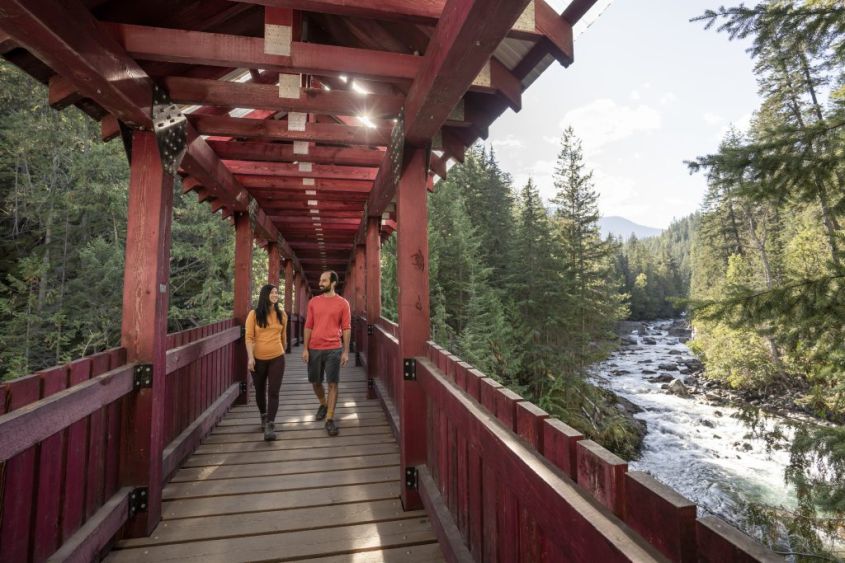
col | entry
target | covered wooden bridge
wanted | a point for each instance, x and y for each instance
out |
(316, 127)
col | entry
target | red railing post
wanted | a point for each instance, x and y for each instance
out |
(243, 291)
(412, 270)
(144, 323)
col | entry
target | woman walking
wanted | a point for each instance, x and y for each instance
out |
(265, 348)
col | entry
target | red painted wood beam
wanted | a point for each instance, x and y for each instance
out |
(424, 12)
(217, 49)
(463, 42)
(278, 152)
(320, 184)
(268, 200)
(412, 271)
(274, 130)
(274, 264)
(264, 96)
(289, 170)
(66, 38)
(241, 303)
(144, 323)
(62, 92)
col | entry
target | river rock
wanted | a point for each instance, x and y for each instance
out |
(717, 413)
(644, 362)
(667, 367)
(708, 423)
(619, 372)
(662, 378)
(647, 372)
(676, 352)
(693, 363)
(676, 387)
(649, 340)
(628, 341)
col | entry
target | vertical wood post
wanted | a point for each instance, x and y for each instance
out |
(360, 280)
(288, 300)
(297, 305)
(373, 283)
(412, 277)
(243, 292)
(144, 324)
(274, 264)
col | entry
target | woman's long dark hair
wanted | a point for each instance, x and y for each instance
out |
(264, 306)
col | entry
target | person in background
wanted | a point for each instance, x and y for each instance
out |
(265, 348)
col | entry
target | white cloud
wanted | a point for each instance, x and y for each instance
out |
(712, 118)
(509, 141)
(551, 140)
(635, 95)
(603, 121)
(668, 98)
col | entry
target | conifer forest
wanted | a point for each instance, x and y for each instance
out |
(526, 289)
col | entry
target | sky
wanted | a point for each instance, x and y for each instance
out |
(647, 91)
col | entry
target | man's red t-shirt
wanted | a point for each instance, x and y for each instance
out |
(327, 318)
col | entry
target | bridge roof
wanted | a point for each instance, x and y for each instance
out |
(297, 110)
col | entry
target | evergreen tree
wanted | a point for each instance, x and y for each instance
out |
(586, 258)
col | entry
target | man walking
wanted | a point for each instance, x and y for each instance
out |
(327, 319)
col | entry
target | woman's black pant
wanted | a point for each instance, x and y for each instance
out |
(267, 378)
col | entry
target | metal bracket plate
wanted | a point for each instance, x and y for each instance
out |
(143, 376)
(243, 386)
(138, 500)
(371, 330)
(410, 369)
(171, 130)
(411, 477)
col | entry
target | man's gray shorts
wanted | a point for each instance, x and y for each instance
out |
(324, 361)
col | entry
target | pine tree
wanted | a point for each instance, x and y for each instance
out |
(586, 258)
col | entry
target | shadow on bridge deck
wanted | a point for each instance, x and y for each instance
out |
(304, 496)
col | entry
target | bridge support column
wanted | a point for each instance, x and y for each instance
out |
(412, 277)
(144, 324)
(243, 291)
(373, 283)
(288, 300)
(274, 264)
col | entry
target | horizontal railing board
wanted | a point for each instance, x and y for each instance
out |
(28, 425)
(188, 353)
(591, 534)
(87, 543)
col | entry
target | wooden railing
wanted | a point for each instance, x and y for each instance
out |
(505, 482)
(60, 441)
(389, 374)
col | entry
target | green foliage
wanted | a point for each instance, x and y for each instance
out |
(63, 196)
(515, 295)
(767, 285)
(656, 271)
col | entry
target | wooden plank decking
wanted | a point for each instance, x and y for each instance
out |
(303, 497)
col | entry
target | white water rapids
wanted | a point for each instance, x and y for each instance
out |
(700, 450)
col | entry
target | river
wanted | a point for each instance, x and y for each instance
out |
(699, 449)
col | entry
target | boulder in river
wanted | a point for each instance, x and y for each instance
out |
(628, 341)
(676, 387)
(649, 340)
(668, 367)
(707, 423)
(676, 352)
(662, 378)
(619, 372)
(647, 372)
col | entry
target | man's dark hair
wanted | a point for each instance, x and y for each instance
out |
(332, 276)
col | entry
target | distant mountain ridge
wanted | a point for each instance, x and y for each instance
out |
(621, 227)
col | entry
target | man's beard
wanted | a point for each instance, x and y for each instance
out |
(325, 289)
